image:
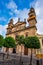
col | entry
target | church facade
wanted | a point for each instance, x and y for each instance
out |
(20, 28)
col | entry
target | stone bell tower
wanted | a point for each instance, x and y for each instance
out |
(32, 21)
(10, 26)
(32, 17)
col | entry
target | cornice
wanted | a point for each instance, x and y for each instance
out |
(22, 29)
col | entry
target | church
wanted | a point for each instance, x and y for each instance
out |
(20, 28)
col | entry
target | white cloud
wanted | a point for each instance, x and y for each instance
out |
(39, 13)
(2, 19)
(19, 13)
(38, 5)
(11, 5)
(16, 11)
(11, 13)
(23, 13)
(15, 19)
(3, 30)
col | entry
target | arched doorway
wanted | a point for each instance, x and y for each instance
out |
(14, 50)
(25, 51)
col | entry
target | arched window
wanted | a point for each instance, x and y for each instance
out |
(16, 36)
(26, 34)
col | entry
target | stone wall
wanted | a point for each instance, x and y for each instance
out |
(14, 59)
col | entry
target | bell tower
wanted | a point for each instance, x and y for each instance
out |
(10, 26)
(32, 17)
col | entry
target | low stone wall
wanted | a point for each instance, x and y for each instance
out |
(14, 59)
(17, 62)
(8, 62)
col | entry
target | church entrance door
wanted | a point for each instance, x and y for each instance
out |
(14, 51)
(25, 51)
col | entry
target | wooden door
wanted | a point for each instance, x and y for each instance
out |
(25, 51)
(14, 50)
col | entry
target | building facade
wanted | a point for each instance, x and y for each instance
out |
(20, 28)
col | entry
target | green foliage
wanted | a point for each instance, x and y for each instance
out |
(20, 39)
(32, 42)
(9, 42)
(1, 40)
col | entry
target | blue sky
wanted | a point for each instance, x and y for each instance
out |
(19, 9)
(7, 8)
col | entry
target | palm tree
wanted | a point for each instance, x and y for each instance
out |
(9, 42)
(32, 42)
(20, 41)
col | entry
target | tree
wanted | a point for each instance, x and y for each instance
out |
(9, 42)
(1, 40)
(1, 43)
(20, 41)
(32, 42)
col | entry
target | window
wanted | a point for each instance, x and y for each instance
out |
(14, 50)
(26, 34)
(16, 36)
(42, 41)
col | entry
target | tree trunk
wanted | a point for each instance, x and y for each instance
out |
(3, 56)
(31, 58)
(21, 56)
(7, 52)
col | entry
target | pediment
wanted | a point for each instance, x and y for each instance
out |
(19, 23)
